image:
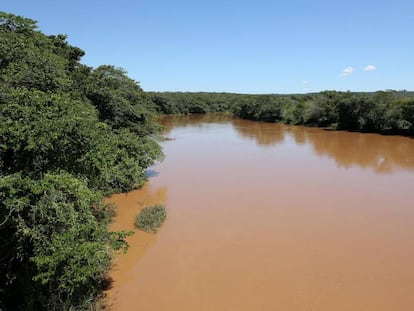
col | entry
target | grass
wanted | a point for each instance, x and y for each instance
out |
(151, 218)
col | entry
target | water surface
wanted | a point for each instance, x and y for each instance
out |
(271, 217)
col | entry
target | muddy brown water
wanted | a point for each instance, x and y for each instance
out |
(271, 217)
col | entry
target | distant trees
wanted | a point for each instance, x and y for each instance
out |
(184, 103)
(383, 111)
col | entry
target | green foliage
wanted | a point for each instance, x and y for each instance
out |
(185, 103)
(384, 112)
(151, 218)
(68, 135)
(16, 24)
(28, 58)
(321, 109)
(120, 101)
(53, 232)
(259, 107)
(41, 132)
(388, 112)
(400, 116)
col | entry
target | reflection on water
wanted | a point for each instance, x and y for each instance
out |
(263, 133)
(196, 120)
(152, 173)
(261, 218)
(380, 153)
(383, 154)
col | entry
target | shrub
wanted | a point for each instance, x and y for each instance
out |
(151, 218)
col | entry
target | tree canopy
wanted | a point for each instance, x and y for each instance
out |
(69, 134)
(389, 112)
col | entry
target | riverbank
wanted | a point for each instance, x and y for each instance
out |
(127, 206)
(387, 112)
(264, 215)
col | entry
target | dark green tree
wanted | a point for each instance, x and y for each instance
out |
(68, 135)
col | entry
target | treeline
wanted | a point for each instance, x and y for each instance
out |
(185, 102)
(384, 112)
(69, 134)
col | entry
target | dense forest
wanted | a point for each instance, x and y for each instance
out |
(71, 134)
(388, 112)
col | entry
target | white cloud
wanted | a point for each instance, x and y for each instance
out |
(347, 71)
(370, 68)
(305, 81)
(306, 89)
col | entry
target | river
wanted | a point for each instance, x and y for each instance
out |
(266, 216)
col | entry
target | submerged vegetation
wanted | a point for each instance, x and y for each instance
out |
(151, 218)
(71, 134)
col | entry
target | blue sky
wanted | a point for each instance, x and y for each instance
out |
(290, 46)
